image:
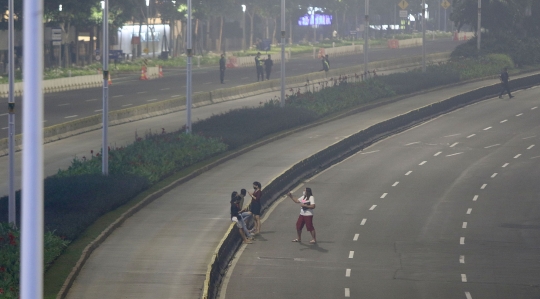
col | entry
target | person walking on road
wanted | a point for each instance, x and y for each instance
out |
(235, 217)
(255, 206)
(259, 66)
(504, 83)
(325, 65)
(307, 204)
(222, 67)
(268, 63)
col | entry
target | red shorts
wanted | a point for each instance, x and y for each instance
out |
(307, 220)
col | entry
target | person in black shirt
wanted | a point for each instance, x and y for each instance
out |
(504, 83)
(222, 67)
(237, 218)
(268, 63)
(325, 65)
(259, 66)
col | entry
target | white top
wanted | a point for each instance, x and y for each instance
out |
(303, 200)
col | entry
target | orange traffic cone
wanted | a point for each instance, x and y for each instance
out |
(143, 73)
(160, 72)
(109, 79)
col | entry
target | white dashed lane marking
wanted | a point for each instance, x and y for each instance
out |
(356, 237)
(490, 146)
(475, 198)
(348, 273)
(494, 175)
(462, 259)
(454, 144)
(92, 100)
(468, 295)
(469, 210)
(351, 254)
(452, 135)
(384, 195)
(141, 92)
(438, 153)
(347, 292)
(454, 154)
(395, 184)
(487, 128)
(3, 114)
(464, 225)
(530, 147)
(533, 108)
(528, 137)
(483, 186)
(118, 96)
(517, 156)
(412, 143)
(63, 105)
(99, 110)
(72, 116)
(463, 278)
(519, 114)
(462, 240)
(503, 121)
(472, 135)
(505, 164)
(151, 100)
(165, 88)
(408, 172)
(369, 152)
(372, 207)
(363, 221)
(423, 162)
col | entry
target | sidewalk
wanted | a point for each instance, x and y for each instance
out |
(163, 251)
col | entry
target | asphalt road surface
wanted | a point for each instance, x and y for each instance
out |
(128, 90)
(448, 209)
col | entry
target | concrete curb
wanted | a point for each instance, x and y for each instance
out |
(94, 122)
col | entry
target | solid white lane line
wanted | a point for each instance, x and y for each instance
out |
(348, 273)
(412, 143)
(464, 225)
(92, 100)
(369, 152)
(347, 292)
(454, 154)
(533, 108)
(528, 137)
(408, 172)
(519, 114)
(487, 128)
(492, 145)
(118, 96)
(463, 278)
(423, 162)
(517, 156)
(462, 241)
(384, 195)
(503, 121)
(72, 116)
(530, 147)
(351, 254)
(363, 221)
(452, 135)
(438, 153)
(483, 186)
(63, 105)
(454, 144)
(152, 100)
(99, 110)
(469, 210)
(462, 259)
(505, 164)
(472, 135)
(127, 105)
(475, 198)
(494, 175)
(356, 237)
(395, 184)
(372, 207)
(468, 295)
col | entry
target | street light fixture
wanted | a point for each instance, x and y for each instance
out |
(244, 27)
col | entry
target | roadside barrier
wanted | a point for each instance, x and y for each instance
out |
(143, 73)
(160, 72)
(334, 154)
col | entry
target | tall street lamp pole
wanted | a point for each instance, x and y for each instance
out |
(12, 213)
(243, 27)
(188, 69)
(105, 133)
(32, 228)
(282, 53)
(147, 26)
(423, 35)
(366, 35)
(479, 26)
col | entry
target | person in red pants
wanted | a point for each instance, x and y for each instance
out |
(307, 204)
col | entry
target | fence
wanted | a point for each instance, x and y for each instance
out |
(56, 85)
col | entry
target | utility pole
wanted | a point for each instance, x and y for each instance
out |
(479, 25)
(105, 115)
(188, 69)
(366, 35)
(12, 207)
(282, 53)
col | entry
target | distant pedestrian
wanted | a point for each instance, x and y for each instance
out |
(259, 67)
(268, 63)
(325, 65)
(235, 217)
(307, 204)
(222, 67)
(327, 60)
(504, 83)
(255, 206)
